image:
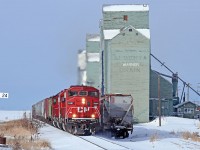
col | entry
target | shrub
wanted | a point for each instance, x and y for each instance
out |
(191, 136)
(153, 138)
(22, 134)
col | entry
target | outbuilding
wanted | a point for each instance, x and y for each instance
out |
(188, 109)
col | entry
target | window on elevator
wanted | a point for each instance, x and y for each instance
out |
(125, 18)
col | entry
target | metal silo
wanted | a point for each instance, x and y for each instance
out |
(93, 60)
(126, 47)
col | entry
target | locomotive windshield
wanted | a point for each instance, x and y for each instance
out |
(93, 93)
(82, 93)
(73, 93)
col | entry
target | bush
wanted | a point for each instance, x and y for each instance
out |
(191, 136)
(23, 134)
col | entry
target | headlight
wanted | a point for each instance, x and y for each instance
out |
(74, 116)
(93, 116)
(83, 100)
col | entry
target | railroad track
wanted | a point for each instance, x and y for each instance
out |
(104, 143)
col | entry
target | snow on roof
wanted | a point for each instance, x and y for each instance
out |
(93, 37)
(143, 7)
(193, 102)
(145, 32)
(109, 34)
(93, 57)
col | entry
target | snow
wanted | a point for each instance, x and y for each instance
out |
(145, 32)
(97, 39)
(12, 115)
(167, 136)
(110, 34)
(126, 8)
(61, 140)
(93, 57)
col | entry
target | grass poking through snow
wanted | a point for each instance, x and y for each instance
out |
(22, 134)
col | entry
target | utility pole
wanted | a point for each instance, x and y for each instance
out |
(188, 90)
(159, 101)
(198, 86)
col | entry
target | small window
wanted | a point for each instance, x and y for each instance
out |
(73, 93)
(63, 99)
(189, 110)
(125, 18)
(93, 94)
(130, 30)
(54, 101)
(82, 93)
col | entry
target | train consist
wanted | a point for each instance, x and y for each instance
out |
(80, 110)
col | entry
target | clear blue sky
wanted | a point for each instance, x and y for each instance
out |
(39, 40)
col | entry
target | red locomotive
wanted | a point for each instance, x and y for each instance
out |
(76, 110)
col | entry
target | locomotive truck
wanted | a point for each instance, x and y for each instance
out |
(80, 110)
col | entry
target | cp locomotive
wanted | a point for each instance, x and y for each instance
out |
(76, 110)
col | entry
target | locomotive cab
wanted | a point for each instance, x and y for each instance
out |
(82, 109)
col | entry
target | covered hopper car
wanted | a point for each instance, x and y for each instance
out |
(117, 114)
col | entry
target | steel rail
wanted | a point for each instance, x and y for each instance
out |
(99, 145)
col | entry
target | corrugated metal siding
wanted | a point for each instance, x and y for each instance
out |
(165, 87)
(92, 46)
(127, 69)
(166, 107)
(93, 78)
(115, 20)
(93, 60)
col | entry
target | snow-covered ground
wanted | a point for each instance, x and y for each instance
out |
(13, 115)
(145, 136)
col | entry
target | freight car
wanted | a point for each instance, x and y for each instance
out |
(117, 114)
(76, 110)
